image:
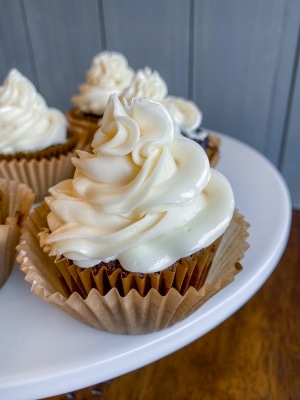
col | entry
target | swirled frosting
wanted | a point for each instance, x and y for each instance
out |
(148, 83)
(108, 74)
(185, 114)
(26, 123)
(146, 196)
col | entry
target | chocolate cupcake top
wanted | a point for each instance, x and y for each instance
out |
(146, 196)
(26, 122)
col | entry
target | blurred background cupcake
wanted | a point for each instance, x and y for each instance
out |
(35, 144)
(108, 74)
(16, 200)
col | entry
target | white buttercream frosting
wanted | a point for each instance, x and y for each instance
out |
(26, 122)
(185, 113)
(146, 196)
(148, 83)
(108, 74)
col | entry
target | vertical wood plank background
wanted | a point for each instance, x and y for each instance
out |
(238, 60)
(154, 33)
(64, 36)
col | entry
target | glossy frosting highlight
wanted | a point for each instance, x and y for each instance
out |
(146, 196)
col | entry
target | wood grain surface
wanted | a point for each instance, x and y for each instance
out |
(253, 355)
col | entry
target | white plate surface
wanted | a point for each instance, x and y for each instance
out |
(44, 352)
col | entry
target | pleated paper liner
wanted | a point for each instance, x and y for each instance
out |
(213, 149)
(40, 170)
(16, 200)
(131, 309)
(89, 122)
(186, 272)
(83, 120)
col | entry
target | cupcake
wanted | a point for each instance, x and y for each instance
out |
(186, 115)
(128, 244)
(16, 200)
(108, 74)
(35, 145)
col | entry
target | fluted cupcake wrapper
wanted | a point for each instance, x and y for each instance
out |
(88, 122)
(40, 170)
(16, 201)
(186, 272)
(213, 149)
(129, 312)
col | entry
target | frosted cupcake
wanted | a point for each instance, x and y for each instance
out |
(108, 74)
(127, 245)
(187, 117)
(35, 145)
(16, 200)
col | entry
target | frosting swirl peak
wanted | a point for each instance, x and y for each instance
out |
(146, 83)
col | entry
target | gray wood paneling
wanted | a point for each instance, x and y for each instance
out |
(65, 36)
(14, 43)
(282, 82)
(240, 80)
(290, 163)
(154, 33)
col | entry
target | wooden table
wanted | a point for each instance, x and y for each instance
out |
(253, 355)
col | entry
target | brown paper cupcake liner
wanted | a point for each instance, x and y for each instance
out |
(186, 272)
(52, 151)
(213, 149)
(77, 118)
(15, 202)
(43, 169)
(88, 122)
(130, 313)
